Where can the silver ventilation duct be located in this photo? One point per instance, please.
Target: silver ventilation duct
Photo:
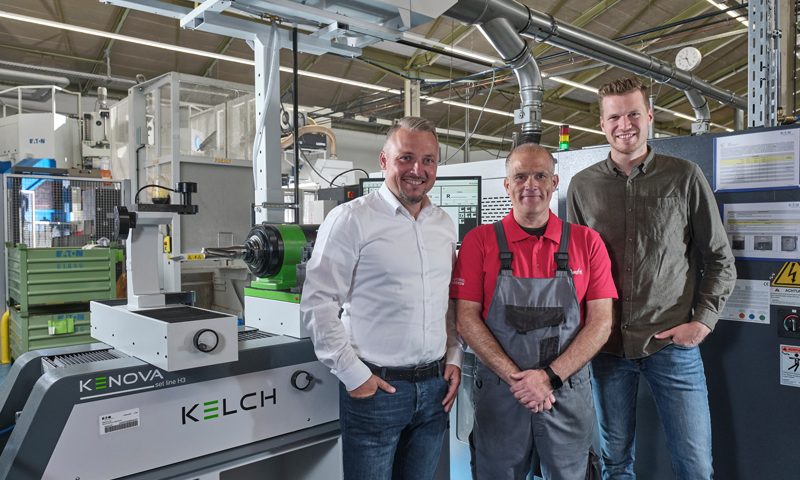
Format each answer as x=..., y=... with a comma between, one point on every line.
x=701, y=112
x=544, y=28
x=30, y=78
x=517, y=55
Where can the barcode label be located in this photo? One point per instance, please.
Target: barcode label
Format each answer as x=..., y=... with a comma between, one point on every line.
x=114, y=422
x=122, y=426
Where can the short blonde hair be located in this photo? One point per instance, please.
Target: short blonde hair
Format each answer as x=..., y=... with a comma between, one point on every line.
x=621, y=86
x=414, y=124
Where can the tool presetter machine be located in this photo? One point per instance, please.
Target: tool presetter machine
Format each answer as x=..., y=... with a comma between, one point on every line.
x=176, y=391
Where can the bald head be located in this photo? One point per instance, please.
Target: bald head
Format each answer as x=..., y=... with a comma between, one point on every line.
x=530, y=150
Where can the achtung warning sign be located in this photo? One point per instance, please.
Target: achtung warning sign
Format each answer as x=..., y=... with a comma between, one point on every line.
x=790, y=365
x=788, y=276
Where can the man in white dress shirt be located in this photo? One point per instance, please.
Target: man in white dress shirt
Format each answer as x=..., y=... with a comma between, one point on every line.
x=376, y=302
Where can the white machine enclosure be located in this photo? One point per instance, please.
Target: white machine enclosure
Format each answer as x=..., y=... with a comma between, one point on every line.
x=167, y=423
x=274, y=316
x=169, y=345
x=40, y=135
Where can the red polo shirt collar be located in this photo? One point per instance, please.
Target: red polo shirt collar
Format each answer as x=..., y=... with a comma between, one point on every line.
x=515, y=233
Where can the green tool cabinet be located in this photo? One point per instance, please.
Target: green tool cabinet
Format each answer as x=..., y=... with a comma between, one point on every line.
x=49, y=290
x=41, y=330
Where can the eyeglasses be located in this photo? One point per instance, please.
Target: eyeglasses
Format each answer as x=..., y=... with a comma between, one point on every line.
x=538, y=177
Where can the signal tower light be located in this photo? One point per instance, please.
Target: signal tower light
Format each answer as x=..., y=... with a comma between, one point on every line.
x=563, y=137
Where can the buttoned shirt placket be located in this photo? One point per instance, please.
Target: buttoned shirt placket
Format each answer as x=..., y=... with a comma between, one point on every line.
x=424, y=280
x=629, y=257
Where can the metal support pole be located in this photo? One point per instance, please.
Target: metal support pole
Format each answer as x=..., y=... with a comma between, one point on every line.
x=467, y=96
x=411, y=90
x=268, y=191
x=763, y=73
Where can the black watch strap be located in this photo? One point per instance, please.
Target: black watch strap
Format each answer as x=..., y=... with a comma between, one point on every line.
x=555, y=380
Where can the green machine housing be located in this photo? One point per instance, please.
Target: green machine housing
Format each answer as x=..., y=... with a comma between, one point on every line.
x=273, y=253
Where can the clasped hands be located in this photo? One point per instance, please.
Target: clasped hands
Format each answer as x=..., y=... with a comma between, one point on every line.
x=532, y=389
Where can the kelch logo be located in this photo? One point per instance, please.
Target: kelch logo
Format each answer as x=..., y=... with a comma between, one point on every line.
x=126, y=379
x=211, y=409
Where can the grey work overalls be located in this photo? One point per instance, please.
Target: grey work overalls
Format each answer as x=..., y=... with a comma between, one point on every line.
x=534, y=320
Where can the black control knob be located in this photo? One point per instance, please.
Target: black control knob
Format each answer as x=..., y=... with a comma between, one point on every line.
x=302, y=380
x=206, y=340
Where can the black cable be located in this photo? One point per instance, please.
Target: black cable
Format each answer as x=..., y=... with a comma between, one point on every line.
x=297, y=173
x=444, y=52
x=136, y=197
x=347, y=171
x=296, y=112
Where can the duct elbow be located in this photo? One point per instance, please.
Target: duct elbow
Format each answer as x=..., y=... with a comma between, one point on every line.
x=702, y=112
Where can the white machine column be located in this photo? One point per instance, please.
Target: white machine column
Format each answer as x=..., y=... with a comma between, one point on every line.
x=268, y=193
x=145, y=288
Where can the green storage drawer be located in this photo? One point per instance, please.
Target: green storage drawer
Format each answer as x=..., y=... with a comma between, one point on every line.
x=54, y=276
x=37, y=331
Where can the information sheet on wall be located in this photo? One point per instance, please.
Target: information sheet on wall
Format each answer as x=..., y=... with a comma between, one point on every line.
x=757, y=161
x=763, y=230
x=749, y=302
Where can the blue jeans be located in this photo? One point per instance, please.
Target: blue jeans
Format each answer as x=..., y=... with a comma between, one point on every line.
x=395, y=436
x=678, y=384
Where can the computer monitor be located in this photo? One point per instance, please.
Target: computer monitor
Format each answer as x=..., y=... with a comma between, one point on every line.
x=459, y=197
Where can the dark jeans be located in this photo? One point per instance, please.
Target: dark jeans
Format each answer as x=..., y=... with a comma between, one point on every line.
x=393, y=436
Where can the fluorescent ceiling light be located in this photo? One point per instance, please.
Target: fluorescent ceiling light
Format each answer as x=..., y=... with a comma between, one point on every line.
x=690, y=118
x=319, y=76
x=730, y=13
x=122, y=38
x=577, y=85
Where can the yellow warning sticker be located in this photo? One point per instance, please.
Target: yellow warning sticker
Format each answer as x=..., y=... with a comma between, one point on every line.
x=788, y=276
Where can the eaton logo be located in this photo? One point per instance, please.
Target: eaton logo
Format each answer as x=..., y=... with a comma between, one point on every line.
x=213, y=409
x=69, y=253
x=115, y=381
x=36, y=141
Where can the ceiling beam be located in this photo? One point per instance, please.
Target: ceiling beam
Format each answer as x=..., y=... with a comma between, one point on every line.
x=457, y=34
x=395, y=62
x=419, y=52
x=48, y=53
x=59, y=14
x=598, y=9
x=305, y=65
x=221, y=49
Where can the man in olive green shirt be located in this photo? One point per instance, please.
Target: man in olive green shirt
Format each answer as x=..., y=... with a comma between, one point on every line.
x=673, y=269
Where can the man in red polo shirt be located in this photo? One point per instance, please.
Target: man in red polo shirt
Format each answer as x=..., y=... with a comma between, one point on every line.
x=533, y=300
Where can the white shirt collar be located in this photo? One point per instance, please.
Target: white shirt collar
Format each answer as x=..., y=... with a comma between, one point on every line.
x=395, y=204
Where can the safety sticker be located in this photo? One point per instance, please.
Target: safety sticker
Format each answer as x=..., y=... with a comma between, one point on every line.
x=784, y=296
x=790, y=365
x=788, y=276
x=114, y=422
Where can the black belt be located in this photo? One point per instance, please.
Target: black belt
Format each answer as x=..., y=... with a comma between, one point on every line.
x=409, y=374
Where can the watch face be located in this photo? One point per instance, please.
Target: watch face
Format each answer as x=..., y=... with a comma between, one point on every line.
x=688, y=58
